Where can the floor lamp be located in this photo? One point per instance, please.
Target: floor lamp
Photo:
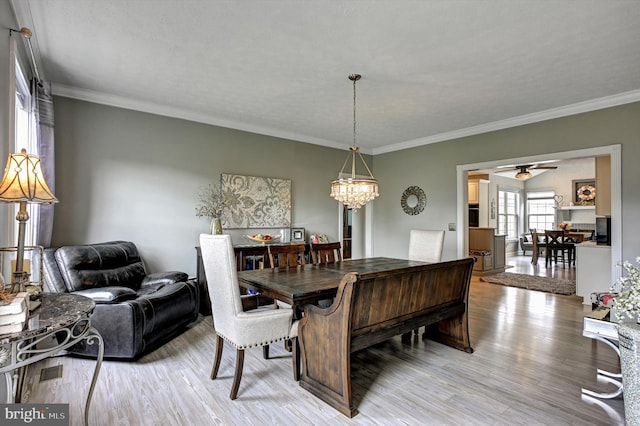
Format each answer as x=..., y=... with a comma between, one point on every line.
x=23, y=182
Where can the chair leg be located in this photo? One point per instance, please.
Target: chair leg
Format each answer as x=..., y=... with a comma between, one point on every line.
x=216, y=361
x=238, y=374
x=265, y=351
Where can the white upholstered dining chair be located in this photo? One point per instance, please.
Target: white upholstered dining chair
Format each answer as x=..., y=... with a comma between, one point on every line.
x=425, y=245
x=241, y=329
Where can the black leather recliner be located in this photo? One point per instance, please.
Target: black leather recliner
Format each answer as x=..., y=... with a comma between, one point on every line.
x=135, y=311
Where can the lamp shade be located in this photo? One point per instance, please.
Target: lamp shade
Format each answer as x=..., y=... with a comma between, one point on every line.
x=23, y=181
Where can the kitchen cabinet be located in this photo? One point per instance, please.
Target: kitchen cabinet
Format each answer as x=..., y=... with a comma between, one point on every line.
x=474, y=186
x=488, y=249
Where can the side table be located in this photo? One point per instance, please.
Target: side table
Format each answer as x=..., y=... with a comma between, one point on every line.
x=607, y=333
x=61, y=318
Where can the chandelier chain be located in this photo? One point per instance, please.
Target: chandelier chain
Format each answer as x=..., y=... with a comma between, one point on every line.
x=354, y=111
x=354, y=192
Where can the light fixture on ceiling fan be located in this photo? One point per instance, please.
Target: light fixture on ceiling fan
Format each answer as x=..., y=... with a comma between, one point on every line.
x=524, y=173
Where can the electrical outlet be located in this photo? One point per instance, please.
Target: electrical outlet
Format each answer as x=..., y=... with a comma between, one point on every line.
x=452, y=227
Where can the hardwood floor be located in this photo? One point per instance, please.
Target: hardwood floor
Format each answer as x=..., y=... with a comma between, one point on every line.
x=522, y=265
x=528, y=368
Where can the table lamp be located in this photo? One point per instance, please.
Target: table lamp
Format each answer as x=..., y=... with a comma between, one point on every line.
x=23, y=182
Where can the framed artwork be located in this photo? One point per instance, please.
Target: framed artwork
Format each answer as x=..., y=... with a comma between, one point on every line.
x=297, y=235
x=256, y=202
x=584, y=192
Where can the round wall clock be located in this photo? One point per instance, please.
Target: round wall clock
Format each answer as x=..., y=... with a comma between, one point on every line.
x=413, y=200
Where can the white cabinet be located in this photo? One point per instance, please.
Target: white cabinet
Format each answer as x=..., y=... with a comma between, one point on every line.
x=593, y=269
x=474, y=186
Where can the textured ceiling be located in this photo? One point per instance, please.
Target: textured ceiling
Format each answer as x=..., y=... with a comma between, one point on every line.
x=431, y=70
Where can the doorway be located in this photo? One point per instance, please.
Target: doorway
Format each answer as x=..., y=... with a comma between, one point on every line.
x=614, y=151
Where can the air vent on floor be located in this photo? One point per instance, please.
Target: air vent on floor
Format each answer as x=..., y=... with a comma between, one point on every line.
x=50, y=373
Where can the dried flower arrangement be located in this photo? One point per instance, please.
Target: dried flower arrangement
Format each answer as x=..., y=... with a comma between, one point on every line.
x=212, y=201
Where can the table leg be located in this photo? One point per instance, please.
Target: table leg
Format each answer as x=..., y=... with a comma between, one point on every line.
x=8, y=378
x=606, y=375
x=92, y=337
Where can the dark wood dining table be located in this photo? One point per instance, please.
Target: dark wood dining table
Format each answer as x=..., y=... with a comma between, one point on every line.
x=571, y=240
x=310, y=283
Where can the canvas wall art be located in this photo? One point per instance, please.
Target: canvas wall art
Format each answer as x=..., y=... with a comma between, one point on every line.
x=256, y=202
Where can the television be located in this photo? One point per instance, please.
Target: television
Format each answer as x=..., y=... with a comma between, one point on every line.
x=603, y=231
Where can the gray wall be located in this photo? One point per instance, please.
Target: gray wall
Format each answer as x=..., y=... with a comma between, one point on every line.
x=433, y=168
x=123, y=174
x=130, y=175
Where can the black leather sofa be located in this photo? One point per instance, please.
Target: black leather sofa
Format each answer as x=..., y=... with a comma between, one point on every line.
x=135, y=311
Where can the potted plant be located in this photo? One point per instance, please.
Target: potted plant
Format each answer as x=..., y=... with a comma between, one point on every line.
x=212, y=204
x=626, y=305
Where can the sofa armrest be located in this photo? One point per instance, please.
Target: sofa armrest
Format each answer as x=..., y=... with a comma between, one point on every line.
x=108, y=295
x=169, y=277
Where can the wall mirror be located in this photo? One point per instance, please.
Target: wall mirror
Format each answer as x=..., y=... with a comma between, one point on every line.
x=413, y=200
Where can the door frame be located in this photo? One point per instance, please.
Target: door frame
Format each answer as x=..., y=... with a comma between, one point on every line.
x=615, y=153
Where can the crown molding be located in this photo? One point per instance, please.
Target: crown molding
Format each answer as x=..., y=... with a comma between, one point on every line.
x=167, y=111
x=153, y=108
x=578, y=108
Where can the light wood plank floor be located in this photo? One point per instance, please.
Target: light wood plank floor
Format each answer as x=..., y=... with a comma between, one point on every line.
x=529, y=366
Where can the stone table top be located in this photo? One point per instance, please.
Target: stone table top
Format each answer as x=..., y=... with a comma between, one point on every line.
x=57, y=311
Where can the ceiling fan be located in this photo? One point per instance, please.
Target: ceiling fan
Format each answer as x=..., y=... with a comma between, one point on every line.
x=523, y=170
x=524, y=173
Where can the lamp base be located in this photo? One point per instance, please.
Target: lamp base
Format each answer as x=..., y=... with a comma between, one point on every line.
x=20, y=281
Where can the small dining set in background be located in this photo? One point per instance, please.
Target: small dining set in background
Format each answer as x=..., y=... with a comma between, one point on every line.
x=557, y=245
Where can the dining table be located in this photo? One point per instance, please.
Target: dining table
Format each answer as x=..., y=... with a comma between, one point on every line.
x=310, y=283
x=570, y=242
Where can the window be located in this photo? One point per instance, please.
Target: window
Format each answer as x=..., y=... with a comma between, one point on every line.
x=508, y=202
x=541, y=210
x=25, y=137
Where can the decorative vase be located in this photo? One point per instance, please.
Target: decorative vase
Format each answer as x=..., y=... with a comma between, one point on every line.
x=216, y=226
x=629, y=344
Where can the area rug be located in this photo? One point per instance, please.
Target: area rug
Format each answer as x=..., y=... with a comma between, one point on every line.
x=550, y=285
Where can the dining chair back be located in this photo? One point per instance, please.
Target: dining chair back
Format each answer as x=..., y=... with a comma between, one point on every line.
x=326, y=252
x=554, y=245
x=286, y=256
x=242, y=329
x=426, y=245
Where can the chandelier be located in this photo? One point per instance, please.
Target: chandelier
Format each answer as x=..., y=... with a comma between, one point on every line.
x=354, y=192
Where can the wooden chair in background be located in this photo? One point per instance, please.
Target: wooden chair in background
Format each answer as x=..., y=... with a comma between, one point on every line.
x=554, y=245
x=326, y=252
x=286, y=256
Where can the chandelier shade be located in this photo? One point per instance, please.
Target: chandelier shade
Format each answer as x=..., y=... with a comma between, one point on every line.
x=354, y=191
